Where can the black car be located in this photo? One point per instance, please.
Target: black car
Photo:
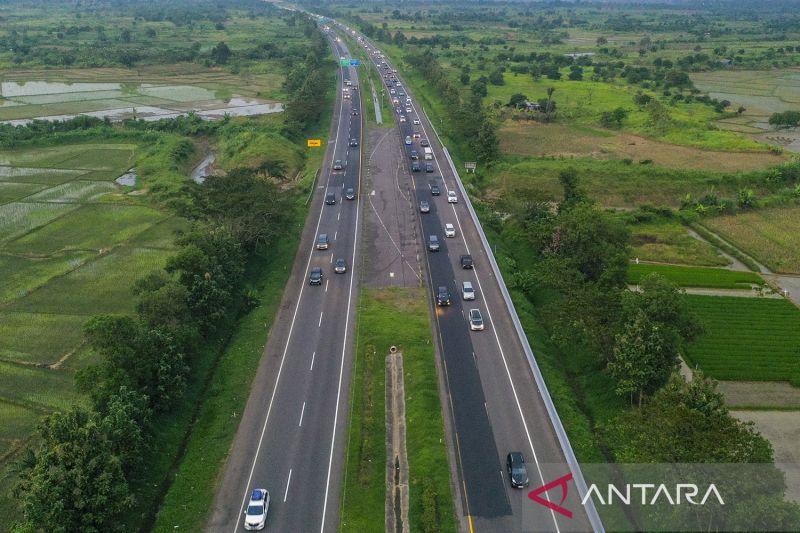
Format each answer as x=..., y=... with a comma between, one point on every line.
x=414, y=155
x=466, y=261
x=340, y=266
x=315, y=278
x=428, y=167
x=443, y=298
x=517, y=473
x=353, y=142
x=354, y=112
x=415, y=167
x=433, y=243
x=435, y=191
x=330, y=198
x=424, y=142
x=350, y=194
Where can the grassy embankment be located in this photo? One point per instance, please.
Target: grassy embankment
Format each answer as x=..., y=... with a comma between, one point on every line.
x=395, y=317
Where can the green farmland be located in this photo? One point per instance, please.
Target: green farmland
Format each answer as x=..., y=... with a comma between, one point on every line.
x=746, y=338
x=713, y=278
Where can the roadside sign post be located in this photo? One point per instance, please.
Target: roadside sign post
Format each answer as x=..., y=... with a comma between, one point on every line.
x=314, y=143
x=470, y=165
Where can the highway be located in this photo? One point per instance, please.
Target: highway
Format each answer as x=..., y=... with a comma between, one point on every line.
x=494, y=404
x=291, y=435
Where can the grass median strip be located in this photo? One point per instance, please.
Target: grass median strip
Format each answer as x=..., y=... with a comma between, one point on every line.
x=396, y=317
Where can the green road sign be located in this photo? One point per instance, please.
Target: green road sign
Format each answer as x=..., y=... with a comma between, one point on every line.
x=344, y=62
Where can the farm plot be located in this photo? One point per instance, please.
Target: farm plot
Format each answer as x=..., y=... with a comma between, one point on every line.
x=20, y=275
x=772, y=236
x=91, y=227
x=80, y=156
x=18, y=423
x=10, y=191
x=100, y=286
x=38, y=387
x=39, y=338
x=18, y=218
x=74, y=191
x=669, y=242
x=162, y=235
x=746, y=338
x=51, y=176
x=715, y=278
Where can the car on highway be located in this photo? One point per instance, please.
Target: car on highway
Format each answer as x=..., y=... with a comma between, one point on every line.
x=315, y=277
x=350, y=194
x=322, y=241
x=424, y=142
x=424, y=206
x=416, y=122
x=449, y=230
x=408, y=109
x=255, y=516
x=467, y=292
x=353, y=142
x=433, y=243
x=442, y=296
x=330, y=198
x=340, y=266
x=452, y=198
x=408, y=140
x=466, y=261
x=338, y=165
x=354, y=112
x=517, y=471
x=415, y=167
x=435, y=190
x=392, y=92
x=428, y=167
x=414, y=155
x=416, y=135
x=400, y=93
x=475, y=320
x=402, y=118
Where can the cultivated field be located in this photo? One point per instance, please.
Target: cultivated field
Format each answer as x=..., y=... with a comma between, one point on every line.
x=746, y=338
x=668, y=241
x=71, y=244
x=772, y=236
x=715, y=278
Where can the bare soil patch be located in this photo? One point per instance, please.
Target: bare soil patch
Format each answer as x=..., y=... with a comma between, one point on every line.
x=761, y=394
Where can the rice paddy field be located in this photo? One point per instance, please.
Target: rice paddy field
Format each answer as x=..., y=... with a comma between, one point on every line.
x=772, y=236
x=703, y=277
x=72, y=242
x=747, y=339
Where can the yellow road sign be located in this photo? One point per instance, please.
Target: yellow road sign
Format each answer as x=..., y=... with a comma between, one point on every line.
x=314, y=143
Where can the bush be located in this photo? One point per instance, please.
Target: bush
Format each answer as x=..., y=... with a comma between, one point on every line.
x=430, y=508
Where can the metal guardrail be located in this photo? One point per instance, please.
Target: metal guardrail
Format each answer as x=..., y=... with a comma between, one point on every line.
x=561, y=434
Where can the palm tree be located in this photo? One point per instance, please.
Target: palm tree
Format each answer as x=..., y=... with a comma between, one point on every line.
x=550, y=91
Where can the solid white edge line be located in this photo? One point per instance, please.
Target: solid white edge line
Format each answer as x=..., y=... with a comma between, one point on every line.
x=344, y=344
x=291, y=329
x=489, y=314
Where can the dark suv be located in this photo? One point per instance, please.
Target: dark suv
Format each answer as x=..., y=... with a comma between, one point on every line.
x=435, y=190
x=517, y=472
x=466, y=261
x=443, y=296
x=315, y=277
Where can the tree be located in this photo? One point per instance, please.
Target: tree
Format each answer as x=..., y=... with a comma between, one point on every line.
x=126, y=423
x=601, y=41
x=570, y=184
x=150, y=33
x=479, y=88
x=125, y=35
x=746, y=198
x=785, y=119
x=643, y=358
x=77, y=483
x=659, y=118
x=464, y=78
x=221, y=54
x=677, y=78
x=613, y=119
x=549, y=107
x=496, y=77
x=575, y=73
x=517, y=100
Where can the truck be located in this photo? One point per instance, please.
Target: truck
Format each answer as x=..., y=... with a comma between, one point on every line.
x=428, y=153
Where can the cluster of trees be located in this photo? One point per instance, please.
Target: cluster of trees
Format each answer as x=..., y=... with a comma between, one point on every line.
x=787, y=119
x=81, y=474
x=471, y=120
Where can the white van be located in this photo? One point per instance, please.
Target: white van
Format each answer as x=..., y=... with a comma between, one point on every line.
x=467, y=292
x=428, y=153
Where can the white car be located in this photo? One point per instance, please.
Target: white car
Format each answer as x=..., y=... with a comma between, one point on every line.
x=451, y=197
x=449, y=230
x=402, y=118
x=475, y=320
x=416, y=122
x=255, y=516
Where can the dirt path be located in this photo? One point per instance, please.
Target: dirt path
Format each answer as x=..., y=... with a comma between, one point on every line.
x=739, y=293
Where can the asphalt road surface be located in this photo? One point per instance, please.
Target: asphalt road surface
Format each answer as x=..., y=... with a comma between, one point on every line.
x=495, y=406
x=291, y=435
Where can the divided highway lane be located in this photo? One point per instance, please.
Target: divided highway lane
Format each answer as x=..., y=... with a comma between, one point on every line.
x=290, y=440
x=495, y=404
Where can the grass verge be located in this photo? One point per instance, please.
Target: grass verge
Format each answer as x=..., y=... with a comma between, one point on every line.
x=396, y=317
x=714, y=278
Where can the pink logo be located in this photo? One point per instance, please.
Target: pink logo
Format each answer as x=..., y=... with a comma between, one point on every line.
x=560, y=482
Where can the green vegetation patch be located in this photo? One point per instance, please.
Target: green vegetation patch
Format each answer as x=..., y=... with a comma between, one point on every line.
x=717, y=278
x=669, y=241
x=771, y=236
x=10, y=191
x=39, y=338
x=100, y=286
x=74, y=191
x=92, y=227
x=20, y=275
x=18, y=423
x=396, y=317
x=101, y=159
x=162, y=234
x=38, y=387
x=18, y=218
x=746, y=338
x=52, y=176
